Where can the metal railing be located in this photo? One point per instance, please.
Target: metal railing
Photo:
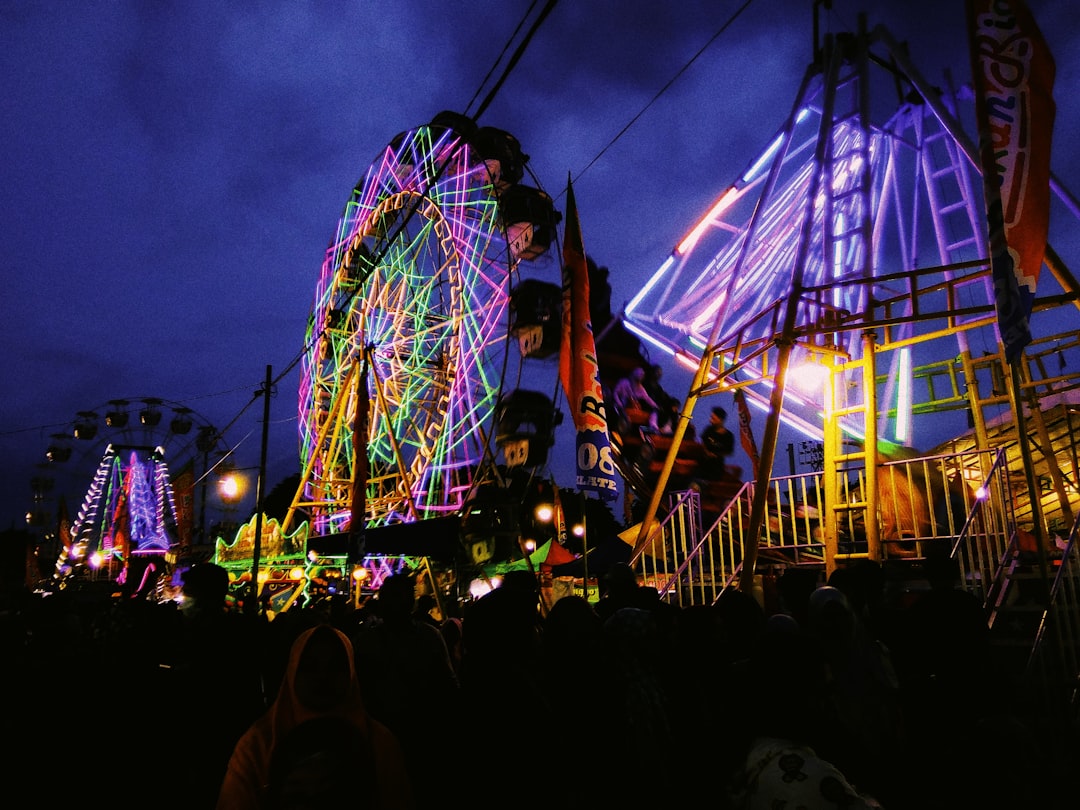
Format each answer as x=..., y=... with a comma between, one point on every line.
x=686, y=565
x=1054, y=664
x=926, y=501
x=983, y=541
x=689, y=564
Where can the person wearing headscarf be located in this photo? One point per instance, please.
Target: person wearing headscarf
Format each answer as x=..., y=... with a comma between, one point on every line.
x=320, y=682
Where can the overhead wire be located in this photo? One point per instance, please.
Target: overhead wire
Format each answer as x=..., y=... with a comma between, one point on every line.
x=502, y=53
x=519, y=51
x=261, y=389
x=667, y=86
x=549, y=6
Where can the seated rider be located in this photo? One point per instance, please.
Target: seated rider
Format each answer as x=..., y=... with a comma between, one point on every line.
x=630, y=393
x=667, y=405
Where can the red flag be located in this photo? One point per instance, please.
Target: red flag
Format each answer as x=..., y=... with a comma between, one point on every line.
x=746, y=437
x=119, y=534
x=1013, y=72
x=557, y=554
x=578, y=368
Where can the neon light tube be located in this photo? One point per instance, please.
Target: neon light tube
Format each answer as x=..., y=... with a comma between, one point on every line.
x=725, y=200
x=651, y=283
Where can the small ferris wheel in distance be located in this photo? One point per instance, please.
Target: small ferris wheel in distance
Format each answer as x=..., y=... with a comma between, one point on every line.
x=125, y=453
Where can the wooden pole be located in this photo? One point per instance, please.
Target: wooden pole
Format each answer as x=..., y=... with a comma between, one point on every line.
x=260, y=485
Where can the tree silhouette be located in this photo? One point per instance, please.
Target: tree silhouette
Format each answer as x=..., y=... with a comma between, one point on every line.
x=277, y=501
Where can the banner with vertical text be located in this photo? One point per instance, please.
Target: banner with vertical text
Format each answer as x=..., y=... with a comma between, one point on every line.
x=578, y=370
x=1013, y=73
x=746, y=436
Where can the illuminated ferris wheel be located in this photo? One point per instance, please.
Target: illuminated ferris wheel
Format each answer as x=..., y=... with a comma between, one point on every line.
x=119, y=484
x=406, y=346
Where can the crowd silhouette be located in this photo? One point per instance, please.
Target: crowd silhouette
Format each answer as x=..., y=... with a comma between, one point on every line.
x=823, y=694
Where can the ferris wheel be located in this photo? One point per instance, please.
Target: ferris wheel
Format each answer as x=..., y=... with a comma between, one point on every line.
x=125, y=467
x=406, y=348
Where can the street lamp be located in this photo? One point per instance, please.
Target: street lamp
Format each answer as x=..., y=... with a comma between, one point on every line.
x=232, y=487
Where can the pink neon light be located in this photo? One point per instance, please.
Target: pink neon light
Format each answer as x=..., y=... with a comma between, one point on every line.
x=725, y=200
x=686, y=361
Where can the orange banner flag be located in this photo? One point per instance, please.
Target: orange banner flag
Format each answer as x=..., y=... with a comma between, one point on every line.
x=578, y=369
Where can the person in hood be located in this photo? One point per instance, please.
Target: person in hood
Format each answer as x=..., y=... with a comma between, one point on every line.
x=320, y=685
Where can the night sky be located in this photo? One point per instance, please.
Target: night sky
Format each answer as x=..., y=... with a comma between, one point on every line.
x=174, y=171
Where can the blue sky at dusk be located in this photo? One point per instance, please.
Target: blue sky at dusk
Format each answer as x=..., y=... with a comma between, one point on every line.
x=174, y=171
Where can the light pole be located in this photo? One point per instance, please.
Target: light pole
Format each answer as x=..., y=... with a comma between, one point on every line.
x=260, y=485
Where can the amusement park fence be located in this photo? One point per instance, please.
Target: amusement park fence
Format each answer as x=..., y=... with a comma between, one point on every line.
x=691, y=561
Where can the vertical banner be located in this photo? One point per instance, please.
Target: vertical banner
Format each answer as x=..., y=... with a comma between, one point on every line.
x=578, y=369
x=183, y=484
x=746, y=436
x=1013, y=73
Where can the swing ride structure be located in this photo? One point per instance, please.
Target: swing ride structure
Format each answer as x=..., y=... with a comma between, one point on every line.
x=856, y=245
x=421, y=320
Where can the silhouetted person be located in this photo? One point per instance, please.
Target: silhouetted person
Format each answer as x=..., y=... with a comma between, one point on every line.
x=634, y=731
x=500, y=672
x=621, y=589
x=409, y=683
x=320, y=682
x=718, y=443
x=425, y=604
x=867, y=728
x=321, y=763
x=941, y=643
x=667, y=406
x=948, y=637
x=452, y=631
x=574, y=684
x=794, y=587
x=220, y=673
x=631, y=396
x=783, y=766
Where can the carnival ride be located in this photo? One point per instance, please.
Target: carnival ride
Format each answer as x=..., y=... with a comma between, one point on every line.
x=127, y=470
x=409, y=324
x=421, y=322
x=855, y=244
